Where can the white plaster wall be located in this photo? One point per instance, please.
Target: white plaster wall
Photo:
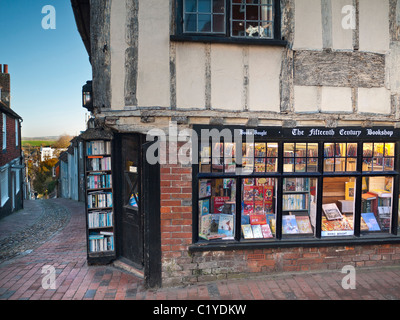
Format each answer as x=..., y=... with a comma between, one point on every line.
x=374, y=26
x=190, y=75
x=393, y=67
x=306, y=98
x=118, y=47
x=374, y=100
x=308, y=25
x=153, y=88
x=342, y=39
x=264, y=84
x=336, y=99
x=226, y=77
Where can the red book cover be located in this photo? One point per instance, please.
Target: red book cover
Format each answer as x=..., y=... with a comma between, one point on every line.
x=219, y=203
x=258, y=219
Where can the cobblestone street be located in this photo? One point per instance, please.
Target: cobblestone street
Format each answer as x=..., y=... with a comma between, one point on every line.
x=52, y=233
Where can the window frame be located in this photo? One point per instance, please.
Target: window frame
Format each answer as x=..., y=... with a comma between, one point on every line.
x=4, y=131
x=392, y=236
x=4, y=189
x=181, y=36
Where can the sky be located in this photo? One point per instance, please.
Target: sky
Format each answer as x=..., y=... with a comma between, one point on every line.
x=48, y=67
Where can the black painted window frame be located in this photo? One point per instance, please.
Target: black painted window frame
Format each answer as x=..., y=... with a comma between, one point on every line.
x=393, y=236
x=181, y=36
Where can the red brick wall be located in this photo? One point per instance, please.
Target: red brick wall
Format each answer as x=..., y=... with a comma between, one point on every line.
x=12, y=151
x=180, y=266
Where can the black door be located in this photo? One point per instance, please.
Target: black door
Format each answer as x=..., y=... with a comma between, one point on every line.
x=130, y=220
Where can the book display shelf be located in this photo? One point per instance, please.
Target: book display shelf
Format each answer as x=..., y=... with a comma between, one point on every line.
x=99, y=202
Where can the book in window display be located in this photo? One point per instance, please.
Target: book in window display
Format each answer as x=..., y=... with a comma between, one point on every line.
x=257, y=233
x=289, y=224
x=370, y=220
x=331, y=211
x=266, y=231
x=247, y=231
x=304, y=225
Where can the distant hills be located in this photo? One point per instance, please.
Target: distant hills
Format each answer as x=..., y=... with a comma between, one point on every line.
x=48, y=138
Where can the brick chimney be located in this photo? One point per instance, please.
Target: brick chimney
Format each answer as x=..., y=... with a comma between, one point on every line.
x=5, y=85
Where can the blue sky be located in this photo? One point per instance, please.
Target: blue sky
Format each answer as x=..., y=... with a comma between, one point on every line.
x=47, y=67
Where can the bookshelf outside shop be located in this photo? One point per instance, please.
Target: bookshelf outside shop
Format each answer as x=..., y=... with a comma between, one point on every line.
x=299, y=186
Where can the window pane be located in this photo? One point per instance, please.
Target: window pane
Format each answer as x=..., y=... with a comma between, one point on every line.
x=258, y=208
x=217, y=209
x=376, y=204
x=204, y=22
x=205, y=6
x=338, y=201
x=259, y=164
x=190, y=6
x=237, y=12
x=298, y=206
x=190, y=23
x=218, y=23
x=389, y=149
x=219, y=6
x=238, y=29
x=272, y=165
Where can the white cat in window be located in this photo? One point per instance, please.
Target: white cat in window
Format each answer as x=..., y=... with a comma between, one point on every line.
x=259, y=29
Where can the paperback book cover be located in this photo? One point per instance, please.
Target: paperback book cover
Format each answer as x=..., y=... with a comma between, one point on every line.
x=266, y=231
x=371, y=222
x=257, y=231
x=247, y=231
x=289, y=224
x=226, y=225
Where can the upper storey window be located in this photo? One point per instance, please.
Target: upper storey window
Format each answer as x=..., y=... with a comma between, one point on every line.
x=235, y=19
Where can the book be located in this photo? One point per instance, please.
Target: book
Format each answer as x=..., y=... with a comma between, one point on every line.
x=331, y=211
x=256, y=231
x=381, y=193
x=257, y=219
x=303, y=224
x=204, y=206
x=226, y=225
x=219, y=203
x=204, y=188
x=248, y=207
x=289, y=224
x=371, y=222
x=258, y=193
x=266, y=231
x=247, y=231
x=270, y=217
x=205, y=224
x=349, y=191
x=248, y=193
x=258, y=207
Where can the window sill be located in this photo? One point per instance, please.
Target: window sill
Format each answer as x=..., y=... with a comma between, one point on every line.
x=286, y=243
x=228, y=40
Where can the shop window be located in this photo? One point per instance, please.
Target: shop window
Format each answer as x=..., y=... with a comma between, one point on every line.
x=217, y=209
x=300, y=157
x=221, y=158
x=338, y=203
x=378, y=156
x=376, y=204
x=258, y=214
x=285, y=189
x=340, y=157
x=299, y=206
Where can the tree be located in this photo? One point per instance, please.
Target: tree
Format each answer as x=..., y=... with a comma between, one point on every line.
x=63, y=141
x=43, y=178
